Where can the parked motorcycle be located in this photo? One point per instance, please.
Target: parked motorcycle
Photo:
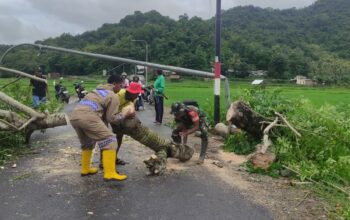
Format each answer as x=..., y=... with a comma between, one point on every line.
x=80, y=90
x=63, y=94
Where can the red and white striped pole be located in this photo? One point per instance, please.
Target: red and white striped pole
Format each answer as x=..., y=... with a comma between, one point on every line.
x=217, y=63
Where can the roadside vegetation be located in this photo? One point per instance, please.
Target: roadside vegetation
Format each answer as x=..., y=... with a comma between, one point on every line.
x=320, y=156
x=12, y=143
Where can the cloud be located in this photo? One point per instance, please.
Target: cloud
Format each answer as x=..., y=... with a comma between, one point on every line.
x=30, y=20
x=14, y=31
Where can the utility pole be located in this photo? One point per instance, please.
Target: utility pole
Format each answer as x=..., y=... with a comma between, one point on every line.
x=217, y=63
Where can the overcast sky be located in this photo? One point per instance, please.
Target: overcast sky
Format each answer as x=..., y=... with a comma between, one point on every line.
x=24, y=21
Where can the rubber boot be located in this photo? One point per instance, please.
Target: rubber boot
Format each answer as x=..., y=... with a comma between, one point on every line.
x=85, y=163
x=110, y=173
x=117, y=162
x=204, y=146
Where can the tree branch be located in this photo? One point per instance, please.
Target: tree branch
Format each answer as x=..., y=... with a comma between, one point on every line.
x=287, y=123
x=266, y=140
x=14, y=103
x=27, y=123
x=4, y=126
x=12, y=118
x=9, y=125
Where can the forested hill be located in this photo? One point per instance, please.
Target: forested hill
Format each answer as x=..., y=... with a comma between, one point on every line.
x=313, y=41
x=326, y=23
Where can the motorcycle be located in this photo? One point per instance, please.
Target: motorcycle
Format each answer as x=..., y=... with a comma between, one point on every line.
x=80, y=90
x=63, y=94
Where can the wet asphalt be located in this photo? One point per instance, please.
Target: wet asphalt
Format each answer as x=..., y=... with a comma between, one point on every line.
x=47, y=185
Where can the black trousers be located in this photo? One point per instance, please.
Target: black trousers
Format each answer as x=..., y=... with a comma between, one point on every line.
x=159, y=107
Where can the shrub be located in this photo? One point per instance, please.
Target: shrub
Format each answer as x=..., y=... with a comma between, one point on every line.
x=240, y=143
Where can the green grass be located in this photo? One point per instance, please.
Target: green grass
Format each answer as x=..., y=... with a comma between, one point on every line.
x=203, y=91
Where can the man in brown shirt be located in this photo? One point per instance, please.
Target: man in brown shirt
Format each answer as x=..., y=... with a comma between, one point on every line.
x=90, y=120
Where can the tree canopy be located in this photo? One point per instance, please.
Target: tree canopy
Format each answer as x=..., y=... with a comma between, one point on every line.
x=286, y=43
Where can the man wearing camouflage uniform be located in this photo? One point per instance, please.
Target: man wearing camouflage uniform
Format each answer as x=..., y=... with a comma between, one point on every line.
x=189, y=119
x=90, y=120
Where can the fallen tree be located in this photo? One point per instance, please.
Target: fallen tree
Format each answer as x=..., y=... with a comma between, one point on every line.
x=11, y=121
x=259, y=127
x=26, y=120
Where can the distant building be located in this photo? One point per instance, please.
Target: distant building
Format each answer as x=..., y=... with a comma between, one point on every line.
x=303, y=80
x=258, y=82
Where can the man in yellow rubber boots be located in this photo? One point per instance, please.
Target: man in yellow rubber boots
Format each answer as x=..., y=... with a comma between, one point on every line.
x=90, y=119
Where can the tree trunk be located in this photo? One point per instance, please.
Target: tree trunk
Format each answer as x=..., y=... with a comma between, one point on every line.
x=243, y=117
x=162, y=147
x=13, y=122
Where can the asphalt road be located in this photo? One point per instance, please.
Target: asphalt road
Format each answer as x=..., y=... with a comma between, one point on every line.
x=47, y=185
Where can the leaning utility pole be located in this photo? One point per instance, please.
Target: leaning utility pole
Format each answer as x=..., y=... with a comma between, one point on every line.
x=147, y=64
x=217, y=63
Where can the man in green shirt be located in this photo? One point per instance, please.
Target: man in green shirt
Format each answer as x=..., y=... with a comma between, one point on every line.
x=159, y=86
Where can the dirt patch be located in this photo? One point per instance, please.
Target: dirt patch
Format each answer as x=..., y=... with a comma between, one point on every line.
x=231, y=158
